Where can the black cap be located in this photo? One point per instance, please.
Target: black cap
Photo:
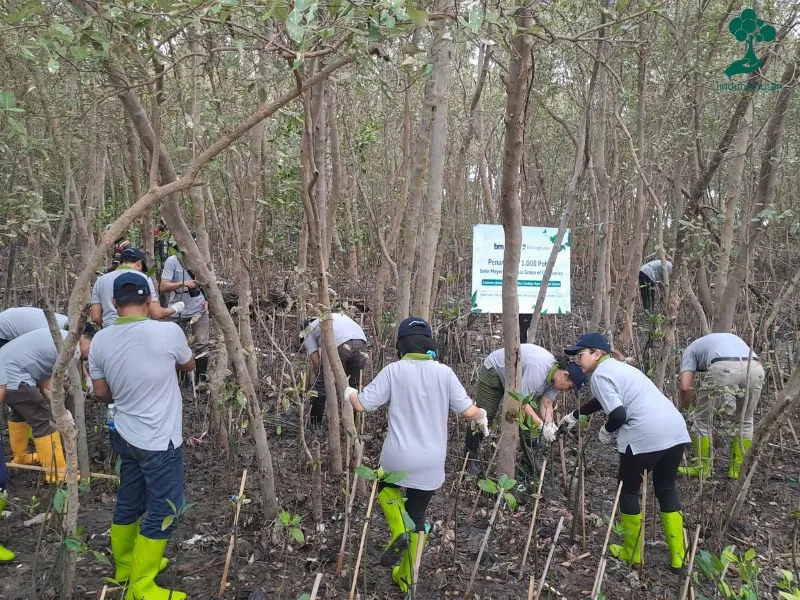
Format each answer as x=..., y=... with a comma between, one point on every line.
x=130, y=285
x=414, y=326
x=130, y=255
x=591, y=341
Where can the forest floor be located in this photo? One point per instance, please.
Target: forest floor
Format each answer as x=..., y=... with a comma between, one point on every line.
x=266, y=565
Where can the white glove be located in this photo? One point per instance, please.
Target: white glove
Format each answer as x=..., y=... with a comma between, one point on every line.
x=482, y=423
x=348, y=392
x=77, y=354
x=549, y=432
x=606, y=438
x=569, y=420
x=89, y=386
x=178, y=307
x=71, y=418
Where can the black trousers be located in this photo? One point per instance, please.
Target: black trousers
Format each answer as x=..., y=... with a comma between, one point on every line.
x=524, y=324
x=416, y=503
x=647, y=289
x=350, y=353
x=663, y=467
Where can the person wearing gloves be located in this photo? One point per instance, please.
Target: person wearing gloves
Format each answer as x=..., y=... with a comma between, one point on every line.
x=147, y=432
x=419, y=391
x=26, y=364
x=6, y=555
x=728, y=363
x=542, y=377
x=648, y=432
x=102, y=311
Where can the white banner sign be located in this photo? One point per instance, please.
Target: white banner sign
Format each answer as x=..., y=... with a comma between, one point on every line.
x=488, y=245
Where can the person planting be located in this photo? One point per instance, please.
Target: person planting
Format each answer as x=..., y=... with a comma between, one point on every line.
x=419, y=391
x=648, y=432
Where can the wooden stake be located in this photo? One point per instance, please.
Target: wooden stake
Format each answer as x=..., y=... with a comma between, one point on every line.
x=233, y=536
x=103, y=592
x=691, y=564
x=42, y=469
x=363, y=539
x=347, y=515
x=643, y=529
x=549, y=558
x=533, y=521
x=598, y=584
x=315, y=589
x=563, y=467
x=484, y=542
x=601, y=565
x=531, y=587
x=417, y=561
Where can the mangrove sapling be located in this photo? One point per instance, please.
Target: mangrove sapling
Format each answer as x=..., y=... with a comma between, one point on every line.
x=502, y=489
x=786, y=587
x=290, y=525
x=714, y=569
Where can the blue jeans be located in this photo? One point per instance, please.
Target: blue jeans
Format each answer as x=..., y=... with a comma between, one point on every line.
x=148, y=478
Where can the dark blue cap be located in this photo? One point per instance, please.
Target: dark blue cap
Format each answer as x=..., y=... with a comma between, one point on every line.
x=577, y=376
x=130, y=285
x=132, y=255
x=414, y=326
x=591, y=341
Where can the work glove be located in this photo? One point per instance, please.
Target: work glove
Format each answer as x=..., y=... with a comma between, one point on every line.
x=549, y=432
x=348, y=392
x=481, y=424
x=605, y=437
x=178, y=307
x=89, y=386
x=568, y=421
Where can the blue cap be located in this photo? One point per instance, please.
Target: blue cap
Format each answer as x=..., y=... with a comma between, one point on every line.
x=130, y=285
x=591, y=341
x=576, y=375
x=414, y=326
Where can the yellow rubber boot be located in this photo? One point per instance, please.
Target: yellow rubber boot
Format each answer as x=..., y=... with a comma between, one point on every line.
x=51, y=455
x=393, y=506
x=402, y=574
x=672, y=523
x=631, y=548
x=18, y=440
x=6, y=555
x=145, y=563
x=702, y=458
x=739, y=447
x=123, y=539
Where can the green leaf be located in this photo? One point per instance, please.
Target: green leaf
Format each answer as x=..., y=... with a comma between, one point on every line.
x=101, y=558
x=418, y=17
x=729, y=556
x=489, y=486
x=510, y=500
x=297, y=535
x=60, y=500
x=749, y=555
x=293, y=27
x=365, y=472
x=394, y=477
x=17, y=127
x=172, y=506
x=506, y=482
x=408, y=522
x=304, y=596
x=74, y=545
x=285, y=517
x=167, y=522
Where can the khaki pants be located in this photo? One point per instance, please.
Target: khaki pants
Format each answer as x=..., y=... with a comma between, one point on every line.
x=28, y=404
x=197, y=333
x=727, y=381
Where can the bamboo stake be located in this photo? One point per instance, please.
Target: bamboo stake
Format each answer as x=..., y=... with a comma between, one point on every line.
x=484, y=542
x=691, y=563
x=417, y=561
x=531, y=587
x=563, y=467
x=549, y=558
x=643, y=530
x=454, y=514
x=363, y=539
x=347, y=516
x=103, y=592
x=233, y=537
x=601, y=571
x=582, y=496
x=791, y=429
x=42, y=469
x=315, y=589
x=533, y=521
x=598, y=575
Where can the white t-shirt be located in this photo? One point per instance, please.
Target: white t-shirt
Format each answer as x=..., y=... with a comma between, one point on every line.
x=29, y=358
x=137, y=359
x=176, y=273
x=652, y=423
x=535, y=363
x=344, y=330
x=714, y=345
x=103, y=292
x=419, y=394
x=21, y=319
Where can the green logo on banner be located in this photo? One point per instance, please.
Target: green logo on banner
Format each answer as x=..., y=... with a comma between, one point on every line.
x=748, y=28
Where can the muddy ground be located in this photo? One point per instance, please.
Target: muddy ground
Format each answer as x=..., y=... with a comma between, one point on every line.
x=267, y=566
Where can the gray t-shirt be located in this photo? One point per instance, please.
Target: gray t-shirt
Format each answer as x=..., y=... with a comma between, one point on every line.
x=535, y=363
x=28, y=359
x=419, y=394
x=344, y=330
x=175, y=272
x=698, y=354
x=137, y=359
x=654, y=270
x=22, y=319
x=103, y=292
x=653, y=423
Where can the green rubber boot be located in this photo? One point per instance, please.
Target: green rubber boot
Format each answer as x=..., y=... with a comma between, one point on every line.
x=402, y=574
x=393, y=505
x=701, y=444
x=672, y=523
x=145, y=562
x=739, y=447
x=6, y=555
x=631, y=548
x=123, y=538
